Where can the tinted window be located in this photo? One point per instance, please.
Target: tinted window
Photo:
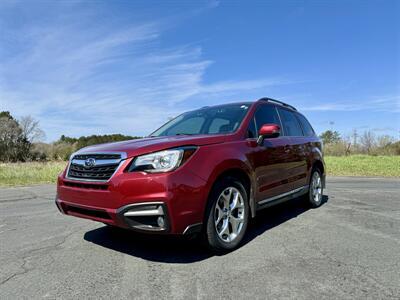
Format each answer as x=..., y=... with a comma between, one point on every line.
x=266, y=114
x=208, y=120
x=290, y=124
x=307, y=129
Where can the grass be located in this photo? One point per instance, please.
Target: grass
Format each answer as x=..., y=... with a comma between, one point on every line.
x=363, y=165
x=14, y=174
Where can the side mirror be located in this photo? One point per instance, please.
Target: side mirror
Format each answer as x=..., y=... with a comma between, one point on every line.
x=268, y=131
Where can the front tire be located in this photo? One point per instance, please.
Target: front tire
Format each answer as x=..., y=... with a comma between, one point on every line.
x=227, y=215
x=315, y=190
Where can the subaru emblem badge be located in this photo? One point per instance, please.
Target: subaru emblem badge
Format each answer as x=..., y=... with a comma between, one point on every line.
x=90, y=162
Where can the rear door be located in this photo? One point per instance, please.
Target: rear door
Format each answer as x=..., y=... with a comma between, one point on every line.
x=310, y=142
x=297, y=173
x=271, y=160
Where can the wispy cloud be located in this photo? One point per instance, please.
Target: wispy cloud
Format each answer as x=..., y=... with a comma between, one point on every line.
x=80, y=77
x=385, y=129
x=378, y=104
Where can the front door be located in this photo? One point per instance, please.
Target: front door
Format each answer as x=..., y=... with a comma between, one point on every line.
x=272, y=160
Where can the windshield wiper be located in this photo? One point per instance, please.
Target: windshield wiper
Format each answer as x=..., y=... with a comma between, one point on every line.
x=184, y=134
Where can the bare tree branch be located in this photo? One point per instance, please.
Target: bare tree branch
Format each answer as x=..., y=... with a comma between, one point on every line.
x=31, y=130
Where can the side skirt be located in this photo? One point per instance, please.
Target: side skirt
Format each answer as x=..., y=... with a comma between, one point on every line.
x=282, y=197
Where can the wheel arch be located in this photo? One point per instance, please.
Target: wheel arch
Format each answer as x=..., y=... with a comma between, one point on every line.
x=317, y=161
x=243, y=175
x=318, y=164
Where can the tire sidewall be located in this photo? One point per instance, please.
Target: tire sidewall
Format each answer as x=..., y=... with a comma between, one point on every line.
x=211, y=235
x=310, y=194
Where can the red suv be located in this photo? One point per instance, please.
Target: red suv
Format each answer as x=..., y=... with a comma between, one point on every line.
x=207, y=171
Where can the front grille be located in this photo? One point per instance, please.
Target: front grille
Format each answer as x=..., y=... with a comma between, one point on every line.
x=97, y=156
x=102, y=173
x=101, y=167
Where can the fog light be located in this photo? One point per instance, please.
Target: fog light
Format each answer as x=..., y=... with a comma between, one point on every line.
x=160, y=222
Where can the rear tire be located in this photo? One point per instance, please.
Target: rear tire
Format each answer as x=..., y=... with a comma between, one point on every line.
x=227, y=215
x=315, y=189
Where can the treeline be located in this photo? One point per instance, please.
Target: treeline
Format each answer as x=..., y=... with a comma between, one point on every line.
x=85, y=141
x=365, y=143
x=17, y=137
x=20, y=140
x=65, y=146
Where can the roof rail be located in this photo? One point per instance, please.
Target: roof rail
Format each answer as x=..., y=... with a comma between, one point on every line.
x=277, y=102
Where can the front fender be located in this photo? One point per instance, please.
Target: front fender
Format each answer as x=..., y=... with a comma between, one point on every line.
x=318, y=157
x=227, y=157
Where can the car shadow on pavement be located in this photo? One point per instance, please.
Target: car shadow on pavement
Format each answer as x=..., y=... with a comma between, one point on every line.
x=271, y=217
x=178, y=249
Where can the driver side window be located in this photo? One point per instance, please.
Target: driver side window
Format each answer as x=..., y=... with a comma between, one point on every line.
x=265, y=114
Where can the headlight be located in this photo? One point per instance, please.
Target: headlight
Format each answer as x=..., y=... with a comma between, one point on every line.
x=162, y=161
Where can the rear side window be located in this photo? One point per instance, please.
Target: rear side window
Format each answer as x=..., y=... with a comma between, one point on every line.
x=291, y=125
x=266, y=114
x=307, y=129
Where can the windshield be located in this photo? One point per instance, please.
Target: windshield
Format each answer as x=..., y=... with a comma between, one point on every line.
x=208, y=120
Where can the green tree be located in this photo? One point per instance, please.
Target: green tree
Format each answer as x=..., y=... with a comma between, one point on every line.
x=6, y=114
x=14, y=146
x=330, y=137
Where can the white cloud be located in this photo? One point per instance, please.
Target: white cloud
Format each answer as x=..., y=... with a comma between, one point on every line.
x=378, y=104
x=80, y=77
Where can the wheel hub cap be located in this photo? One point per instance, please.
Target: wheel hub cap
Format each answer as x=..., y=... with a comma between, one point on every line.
x=229, y=214
x=316, y=187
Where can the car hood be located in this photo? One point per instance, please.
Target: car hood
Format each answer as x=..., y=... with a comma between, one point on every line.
x=151, y=144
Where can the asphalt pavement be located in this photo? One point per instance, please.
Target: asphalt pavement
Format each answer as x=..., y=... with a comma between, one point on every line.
x=349, y=248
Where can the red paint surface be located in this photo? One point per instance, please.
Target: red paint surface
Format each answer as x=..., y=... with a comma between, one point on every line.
x=277, y=166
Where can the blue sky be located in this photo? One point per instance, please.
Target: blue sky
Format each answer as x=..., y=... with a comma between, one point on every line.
x=127, y=66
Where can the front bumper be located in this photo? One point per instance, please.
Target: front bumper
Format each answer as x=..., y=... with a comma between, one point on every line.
x=145, y=217
x=131, y=200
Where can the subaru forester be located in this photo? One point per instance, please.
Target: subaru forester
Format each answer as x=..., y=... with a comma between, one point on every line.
x=207, y=171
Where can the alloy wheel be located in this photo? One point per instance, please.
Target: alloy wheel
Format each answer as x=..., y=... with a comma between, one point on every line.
x=316, y=188
x=229, y=214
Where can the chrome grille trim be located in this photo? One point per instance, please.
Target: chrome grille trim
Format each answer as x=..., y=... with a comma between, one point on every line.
x=103, y=162
x=107, y=164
